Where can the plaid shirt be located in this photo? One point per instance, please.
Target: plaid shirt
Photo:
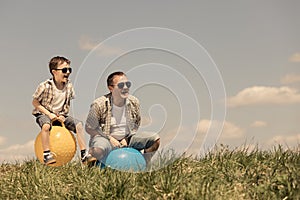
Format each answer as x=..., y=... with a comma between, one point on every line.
x=99, y=117
x=44, y=94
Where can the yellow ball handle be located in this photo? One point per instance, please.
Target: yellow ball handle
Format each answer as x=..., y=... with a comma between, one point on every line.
x=56, y=121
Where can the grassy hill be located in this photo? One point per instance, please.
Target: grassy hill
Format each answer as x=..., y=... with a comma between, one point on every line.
x=221, y=174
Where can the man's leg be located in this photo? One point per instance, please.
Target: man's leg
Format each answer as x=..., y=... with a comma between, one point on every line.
x=149, y=152
x=99, y=147
x=147, y=141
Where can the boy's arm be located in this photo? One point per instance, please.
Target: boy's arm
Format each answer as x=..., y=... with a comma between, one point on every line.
x=42, y=109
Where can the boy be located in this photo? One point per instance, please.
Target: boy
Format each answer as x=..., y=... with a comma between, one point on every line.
x=51, y=101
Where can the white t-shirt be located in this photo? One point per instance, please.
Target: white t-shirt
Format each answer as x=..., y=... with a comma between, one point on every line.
x=59, y=97
x=119, y=127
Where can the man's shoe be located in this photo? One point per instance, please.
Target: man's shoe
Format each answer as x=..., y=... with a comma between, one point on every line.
x=88, y=160
x=49, y=159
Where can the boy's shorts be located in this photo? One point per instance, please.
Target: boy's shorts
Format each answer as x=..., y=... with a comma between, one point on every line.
x=139, y=141
x=70, y=122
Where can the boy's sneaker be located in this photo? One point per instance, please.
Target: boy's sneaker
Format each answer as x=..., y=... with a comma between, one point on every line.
x=88, y=159
x=49, y=159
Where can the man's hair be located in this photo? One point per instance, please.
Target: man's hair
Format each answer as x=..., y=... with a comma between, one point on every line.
x=110, y=78
x=57, y=60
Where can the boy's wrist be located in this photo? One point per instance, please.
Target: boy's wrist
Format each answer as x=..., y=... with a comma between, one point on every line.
x=50, y=115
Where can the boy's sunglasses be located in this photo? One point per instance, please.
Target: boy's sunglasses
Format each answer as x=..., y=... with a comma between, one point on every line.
x=122, y=84
x=65, y=69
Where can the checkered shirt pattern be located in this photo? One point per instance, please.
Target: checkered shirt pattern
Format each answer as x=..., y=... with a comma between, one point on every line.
x=44, y=94
x=99, y=117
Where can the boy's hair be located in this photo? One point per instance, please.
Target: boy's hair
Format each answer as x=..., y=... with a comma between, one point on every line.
x=110, y=78
x=57, y=60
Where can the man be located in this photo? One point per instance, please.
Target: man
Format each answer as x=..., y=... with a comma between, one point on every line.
x=114, y=119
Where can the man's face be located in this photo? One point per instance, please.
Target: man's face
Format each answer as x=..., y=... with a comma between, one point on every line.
x=60, y=74
x=120, y=87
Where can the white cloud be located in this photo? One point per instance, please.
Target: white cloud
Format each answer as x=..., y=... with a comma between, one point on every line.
x=177, y=135
x=290, y=78
x=2, y=140
x=229, y=131
x=258, y=124
x=232, y=131
x=285, y=140
x=86, y=43
x=230, y=134
x=295, y=57
x=17, y=152
x=264, y=95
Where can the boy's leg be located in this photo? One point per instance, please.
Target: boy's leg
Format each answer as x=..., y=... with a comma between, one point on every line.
x=80, y=136
x=45, y=132
x=77, y=127
x=45, y=124
x=86, y=157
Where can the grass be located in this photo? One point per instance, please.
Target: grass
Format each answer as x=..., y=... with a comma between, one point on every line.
x=221, y=174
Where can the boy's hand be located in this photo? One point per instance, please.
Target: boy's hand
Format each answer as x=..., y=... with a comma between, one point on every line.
x=52, y=116
x=62, y=118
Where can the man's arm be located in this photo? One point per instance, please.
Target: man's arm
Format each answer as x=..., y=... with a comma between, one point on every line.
x=92, y=126
x=92, y=132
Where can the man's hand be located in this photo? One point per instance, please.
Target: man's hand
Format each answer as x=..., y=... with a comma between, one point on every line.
x=123, y=143
x=114, y=142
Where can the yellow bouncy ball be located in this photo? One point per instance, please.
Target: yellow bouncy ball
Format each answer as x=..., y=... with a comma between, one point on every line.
x=62, y=144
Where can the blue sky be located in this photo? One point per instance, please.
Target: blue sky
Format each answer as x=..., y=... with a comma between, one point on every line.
x=254, y=45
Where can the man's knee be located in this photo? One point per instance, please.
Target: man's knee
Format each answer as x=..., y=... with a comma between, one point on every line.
x=97, y=152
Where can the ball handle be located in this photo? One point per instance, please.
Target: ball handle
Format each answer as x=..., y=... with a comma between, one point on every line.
x=57, y=122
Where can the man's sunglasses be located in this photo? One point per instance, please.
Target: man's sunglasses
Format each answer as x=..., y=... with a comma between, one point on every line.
x=65, y=69
x=122, y=84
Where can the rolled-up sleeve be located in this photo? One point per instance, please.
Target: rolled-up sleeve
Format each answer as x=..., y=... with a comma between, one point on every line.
x=38, y=92
x=93, y=117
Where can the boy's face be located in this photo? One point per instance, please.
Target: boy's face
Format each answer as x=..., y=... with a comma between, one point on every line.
x=59, y=75
x=118, y=92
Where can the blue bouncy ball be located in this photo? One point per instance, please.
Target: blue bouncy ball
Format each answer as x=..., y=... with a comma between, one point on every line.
x=126, y=159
